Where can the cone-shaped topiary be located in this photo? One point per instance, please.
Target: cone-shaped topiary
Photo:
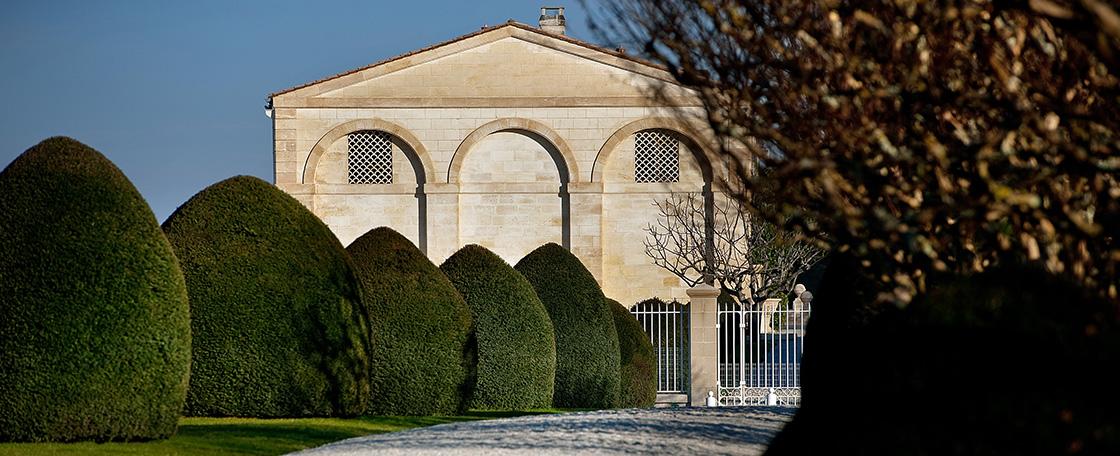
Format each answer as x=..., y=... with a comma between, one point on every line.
x=424, y=349
x=276, y=309
x=638, y=362
x=587, y=357
x=94, y=322
x=516, y=346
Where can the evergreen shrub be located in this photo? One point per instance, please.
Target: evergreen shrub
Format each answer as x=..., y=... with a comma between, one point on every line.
x=516, y=346
x=587, y=356
x=276, y=307
x=94, y=321
x=424, y=349
x=638, y=361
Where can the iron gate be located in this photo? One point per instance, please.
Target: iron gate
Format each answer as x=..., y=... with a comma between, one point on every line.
x=667, y=326
x=760, y=353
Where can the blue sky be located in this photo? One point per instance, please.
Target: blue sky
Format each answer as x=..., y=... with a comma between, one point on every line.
x=173, y=92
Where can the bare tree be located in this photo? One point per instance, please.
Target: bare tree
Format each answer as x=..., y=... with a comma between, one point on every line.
x=749, y=259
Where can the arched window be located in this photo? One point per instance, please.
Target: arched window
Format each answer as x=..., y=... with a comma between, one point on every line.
x=656, y=156
x=370, y=157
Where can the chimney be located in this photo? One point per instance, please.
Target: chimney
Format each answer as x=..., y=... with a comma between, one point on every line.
x=552, y=19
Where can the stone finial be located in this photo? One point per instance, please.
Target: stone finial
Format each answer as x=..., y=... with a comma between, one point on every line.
x=552, y=19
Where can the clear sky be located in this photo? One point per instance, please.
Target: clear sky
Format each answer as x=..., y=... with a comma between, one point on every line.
x=173, y=92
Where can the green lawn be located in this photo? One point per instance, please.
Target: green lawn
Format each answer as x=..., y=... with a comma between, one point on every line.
x=251, y=436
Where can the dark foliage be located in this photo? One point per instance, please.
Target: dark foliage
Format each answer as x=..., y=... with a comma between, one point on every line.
x=587, y=356
x=921, y=137
x=516, y=346
x=424, y=349
x=94, y=321
x=1010, y=361
x=637, y=360
x=276, y=307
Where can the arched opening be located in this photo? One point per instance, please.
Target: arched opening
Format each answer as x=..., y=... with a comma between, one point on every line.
x=513, y=193
x=370, y=177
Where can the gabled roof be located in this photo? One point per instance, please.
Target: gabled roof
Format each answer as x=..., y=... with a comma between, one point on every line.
x=484, y=31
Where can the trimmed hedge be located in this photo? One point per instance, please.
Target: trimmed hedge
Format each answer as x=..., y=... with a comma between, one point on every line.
x=638, y=361
x=587, y=356
x=276, y=306
x=94, y=321
x=516, y=346
x=424, y=357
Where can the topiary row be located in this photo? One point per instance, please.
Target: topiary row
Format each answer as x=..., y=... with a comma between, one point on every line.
x=94, y=323
x=281, y=327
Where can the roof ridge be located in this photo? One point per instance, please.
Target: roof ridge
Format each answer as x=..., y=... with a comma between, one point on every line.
x=484, y=30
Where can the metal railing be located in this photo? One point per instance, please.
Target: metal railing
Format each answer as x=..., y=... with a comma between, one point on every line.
x=667, y=325
x=760, y=353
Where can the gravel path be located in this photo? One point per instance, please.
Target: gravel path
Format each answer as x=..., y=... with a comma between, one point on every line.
x=660, y=431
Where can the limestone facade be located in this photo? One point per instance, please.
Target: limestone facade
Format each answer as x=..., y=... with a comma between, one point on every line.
x=510, y=137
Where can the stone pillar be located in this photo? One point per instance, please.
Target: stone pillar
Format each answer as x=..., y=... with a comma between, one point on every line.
x=703, y=343
x=443, y=220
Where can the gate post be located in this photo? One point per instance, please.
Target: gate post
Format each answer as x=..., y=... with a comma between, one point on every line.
x=703, y=343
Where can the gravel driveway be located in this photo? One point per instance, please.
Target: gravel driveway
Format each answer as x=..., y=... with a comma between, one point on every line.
x=660, y=431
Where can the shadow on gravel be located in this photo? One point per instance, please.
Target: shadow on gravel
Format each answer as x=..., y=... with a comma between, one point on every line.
x=687, y=430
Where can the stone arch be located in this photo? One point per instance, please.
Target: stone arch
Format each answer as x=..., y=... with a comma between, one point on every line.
x=700, y=152
x=502, y=207
x=419, y=155
x=566, y=162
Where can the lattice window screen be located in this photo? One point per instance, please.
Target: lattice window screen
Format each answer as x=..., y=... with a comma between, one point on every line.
x=656, y=157
x=370, y=157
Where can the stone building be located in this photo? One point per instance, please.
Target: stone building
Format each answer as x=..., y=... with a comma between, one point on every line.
x=509, y=137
